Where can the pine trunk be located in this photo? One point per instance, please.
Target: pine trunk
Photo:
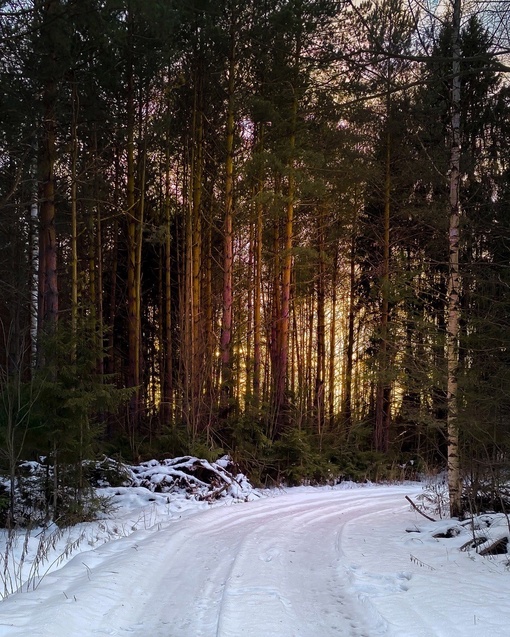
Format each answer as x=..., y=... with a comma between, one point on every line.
x=349, y=355
x=47, y=279
x=228, y=245
x=74, y=212
x=48, y=291
x=196, y=250
x=99, y=327
x=257, y=297
x=284, y=316
x=132, y=235
x=383, y=390
x=320, y=378
x=332, y=343
x=166, y=370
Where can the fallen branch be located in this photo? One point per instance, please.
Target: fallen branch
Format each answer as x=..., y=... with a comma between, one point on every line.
x=417, y=509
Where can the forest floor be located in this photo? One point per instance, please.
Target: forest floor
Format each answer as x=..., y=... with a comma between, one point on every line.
x=349, y=561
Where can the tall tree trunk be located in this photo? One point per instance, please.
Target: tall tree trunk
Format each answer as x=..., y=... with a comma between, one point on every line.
x=96, y=261
x=167, y=366
x=74, y=211
x=186, y=304
x=110, y=360
x=320, y=378
x=288, y=238
x=210, y=344
x=452, y=330
x=34, y=266
x=99, y=328
x=307, y=389
x=228, y=239
x=383, y=390
x=332, y=343
x=257, y=296
x=140, y=220
x=275, y=339
x=132, y=253
x=349, y=352
x=48, y=289
x=250, y=295
x=194, y=251
x=299, y=362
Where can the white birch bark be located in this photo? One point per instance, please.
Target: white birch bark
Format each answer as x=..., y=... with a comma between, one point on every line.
x=452, y=336
x=34, y=256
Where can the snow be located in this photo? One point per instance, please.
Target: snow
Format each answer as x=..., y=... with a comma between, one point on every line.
x=350, y=561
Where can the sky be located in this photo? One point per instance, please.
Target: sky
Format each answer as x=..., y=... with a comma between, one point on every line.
x=349, y=560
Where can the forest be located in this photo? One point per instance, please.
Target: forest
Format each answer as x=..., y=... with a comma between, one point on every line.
x=277, y=229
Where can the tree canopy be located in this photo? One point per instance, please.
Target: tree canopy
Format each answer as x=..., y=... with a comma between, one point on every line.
x=243, y=212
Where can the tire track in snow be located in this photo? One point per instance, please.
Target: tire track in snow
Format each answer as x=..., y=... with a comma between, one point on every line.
x=237, y=595
x=316, y=603
x=372, y=587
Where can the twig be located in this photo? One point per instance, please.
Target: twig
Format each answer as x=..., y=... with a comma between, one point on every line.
x=88, y=571
x=420, y=563
x=417, y=509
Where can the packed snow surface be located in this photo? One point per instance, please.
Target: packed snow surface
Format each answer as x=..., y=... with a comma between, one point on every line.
x=304, y=562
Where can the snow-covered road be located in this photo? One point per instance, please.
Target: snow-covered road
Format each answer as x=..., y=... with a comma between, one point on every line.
x=316, y=563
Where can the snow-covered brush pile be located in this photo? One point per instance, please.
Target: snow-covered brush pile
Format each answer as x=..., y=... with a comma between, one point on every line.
x=128, y=498
x=485, y=535
x=88, y=491
x=197, y=478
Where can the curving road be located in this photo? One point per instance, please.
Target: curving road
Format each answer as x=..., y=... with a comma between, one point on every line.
x=298, y=565
x=277, y=567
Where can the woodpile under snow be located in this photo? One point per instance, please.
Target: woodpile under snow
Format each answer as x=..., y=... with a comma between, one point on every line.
x=199, y=478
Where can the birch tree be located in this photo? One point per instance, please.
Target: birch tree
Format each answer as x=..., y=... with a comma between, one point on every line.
x=453, y=293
